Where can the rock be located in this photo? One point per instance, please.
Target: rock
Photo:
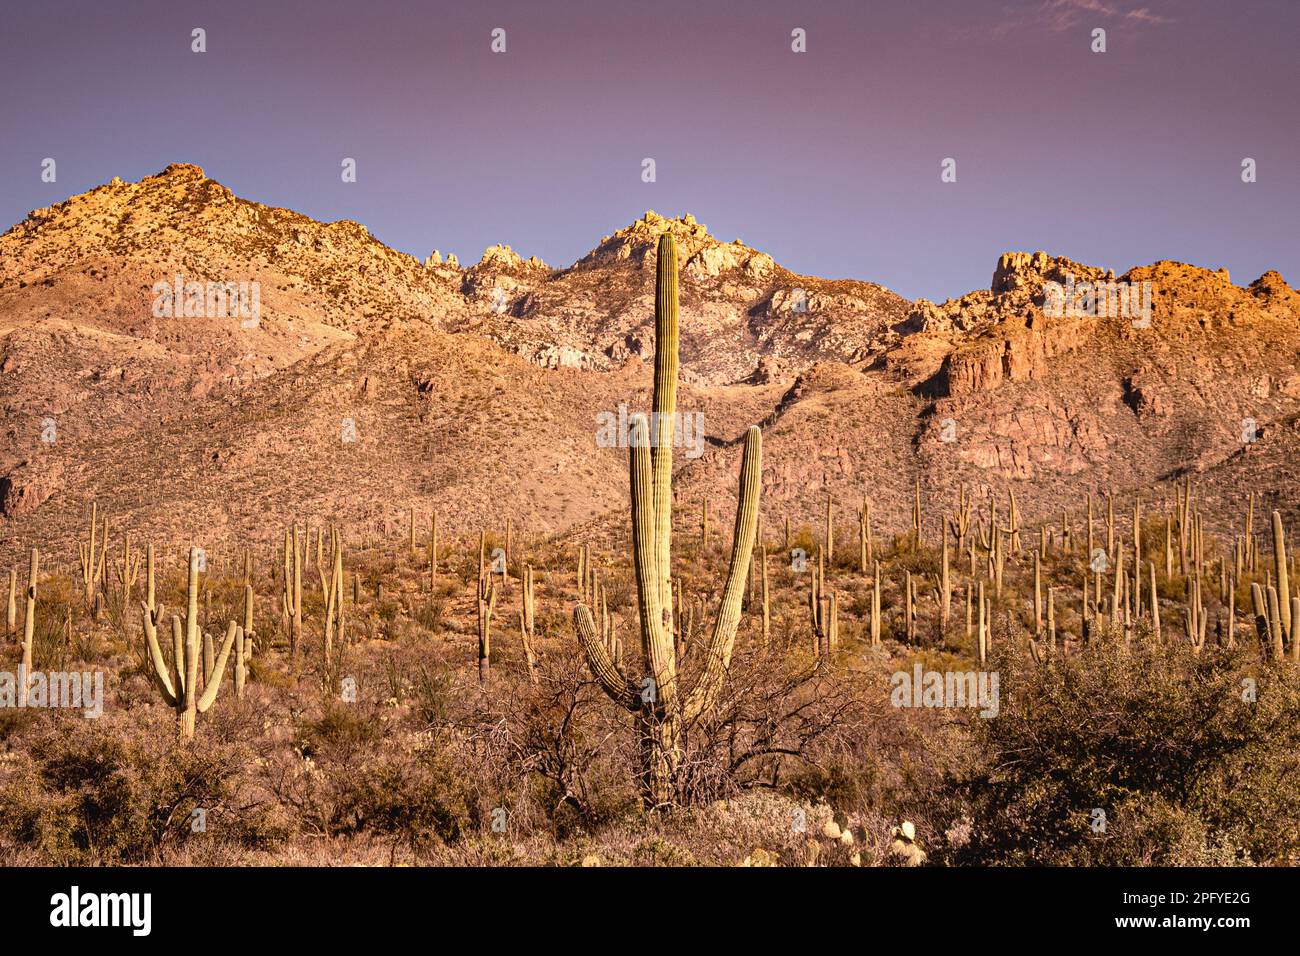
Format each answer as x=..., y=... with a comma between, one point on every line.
x=560, y=356
x=28, y=486
x=903, y=849
x=760, y=857
x=500, y=257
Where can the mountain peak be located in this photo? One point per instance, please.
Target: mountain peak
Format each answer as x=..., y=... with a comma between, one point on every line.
x=637, y=242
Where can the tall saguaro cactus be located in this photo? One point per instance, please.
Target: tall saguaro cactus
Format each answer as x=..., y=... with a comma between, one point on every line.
x=11, y=614
x=29, y=625
x=179, y=683
x=664, y=712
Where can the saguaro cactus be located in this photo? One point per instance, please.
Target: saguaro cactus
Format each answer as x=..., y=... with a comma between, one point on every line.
x=129, y=572
x=291, y=600
x=433, y=553
x=487, y=602
x=29, y=625
x=663, y=710
x=179, y=684
x=1280, y=567
x=243, y=650
x=528, y=622
x=92, y=560
x=830, y=530
x=11, y=615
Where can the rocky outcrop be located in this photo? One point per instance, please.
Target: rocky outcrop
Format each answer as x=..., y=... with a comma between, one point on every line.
x=1016, y=349
x=28, y=486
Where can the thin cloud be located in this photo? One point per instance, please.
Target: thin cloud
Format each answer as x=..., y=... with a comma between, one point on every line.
x=1058, y=16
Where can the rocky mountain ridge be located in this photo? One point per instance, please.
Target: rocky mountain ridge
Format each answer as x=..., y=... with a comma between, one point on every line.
x=476, y=390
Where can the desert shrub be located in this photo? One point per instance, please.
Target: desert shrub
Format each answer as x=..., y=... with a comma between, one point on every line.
x=1169, y=746
x=108, y=792
x=429, y=612
x=349, y=773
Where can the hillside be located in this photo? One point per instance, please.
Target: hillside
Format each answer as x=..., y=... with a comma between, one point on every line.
x=475, y=391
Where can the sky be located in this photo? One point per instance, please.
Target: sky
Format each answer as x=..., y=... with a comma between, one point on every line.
x=829, y=159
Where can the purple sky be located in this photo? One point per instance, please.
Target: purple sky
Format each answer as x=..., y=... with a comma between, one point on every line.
x=828, y=160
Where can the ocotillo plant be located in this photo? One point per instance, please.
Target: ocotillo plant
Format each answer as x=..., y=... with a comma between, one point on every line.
x=664, y=711
x=179, y=683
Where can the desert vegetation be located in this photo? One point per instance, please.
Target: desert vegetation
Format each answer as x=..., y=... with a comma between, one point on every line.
x=663, y=695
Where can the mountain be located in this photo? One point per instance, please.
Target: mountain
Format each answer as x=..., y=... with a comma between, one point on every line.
x=370, y=382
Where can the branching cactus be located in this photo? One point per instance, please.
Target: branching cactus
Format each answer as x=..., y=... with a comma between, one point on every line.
x=665, y=712
x=179, y=683
x=129, y=572
x=291, y=599
x=92, y=560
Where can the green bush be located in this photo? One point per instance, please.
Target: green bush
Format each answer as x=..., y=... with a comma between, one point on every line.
x=101, y=792
x=1185, y=767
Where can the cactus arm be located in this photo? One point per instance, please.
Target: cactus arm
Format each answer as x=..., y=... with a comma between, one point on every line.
x=178, y=660
x=1280, y=563
x=704, y=694
x=621, y=690
x=213, y=682
x=161, y=677
x=656, y=634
